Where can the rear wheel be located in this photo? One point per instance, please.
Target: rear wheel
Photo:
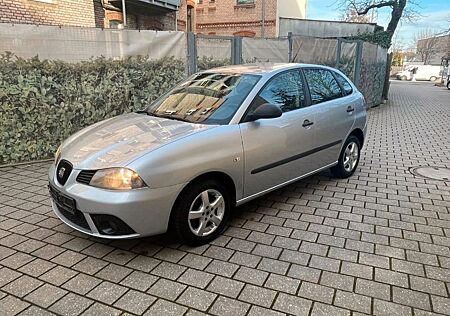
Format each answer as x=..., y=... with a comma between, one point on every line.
x=403, y=78
x=201, y=212
x=433, y=78
x=348, y=159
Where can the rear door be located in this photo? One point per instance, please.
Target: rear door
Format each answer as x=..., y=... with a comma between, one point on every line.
x=274, y=149
x=335, y=102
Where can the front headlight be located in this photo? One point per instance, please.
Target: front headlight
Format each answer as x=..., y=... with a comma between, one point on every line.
x=117, y=179
x=57, y=155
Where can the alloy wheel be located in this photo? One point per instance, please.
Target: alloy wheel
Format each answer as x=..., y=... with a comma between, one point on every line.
x=351, y=155
x=206, y=212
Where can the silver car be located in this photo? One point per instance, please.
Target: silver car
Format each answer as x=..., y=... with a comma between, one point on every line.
x=218, y=139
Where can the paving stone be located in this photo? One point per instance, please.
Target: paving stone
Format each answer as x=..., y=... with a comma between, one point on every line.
x=252, y=276
x=196, y=298
x=227, y=306
x=224, y=286
x=166, y=308
x=282, y=283
x=58, y=275
x=411, y=298
x=337, y=281
x=167, y=289
x=324, y=263
x=353, y=301
x=139, y=281
x=428, y=285
x=46, y=295
x=245, y=259
x=374, y=289
x=90, y=265
x=71, y=305
x=135, y=302
x=7, y=275
x=320, y=309
x=223, y=268
x=81, y=284
x=316, y=292
x=292, y=305
x=258, y=311
x=257, y=295
x=195, y=261
x=35, y=311
x=441, y=304
x=304, y=273
x=11, y=305
x=98, y=309
x=107, y=292
x=357, y=270
x=142, y=263
x=274, y=266
x=113, y=273
x=383, y=308
x=22, y=286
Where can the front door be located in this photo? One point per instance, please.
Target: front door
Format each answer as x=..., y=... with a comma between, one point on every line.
x=276, y=150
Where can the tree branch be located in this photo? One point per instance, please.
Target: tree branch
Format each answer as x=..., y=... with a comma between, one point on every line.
x=372, y=6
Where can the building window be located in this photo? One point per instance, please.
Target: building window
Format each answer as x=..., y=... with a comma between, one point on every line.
x=245, y=2
x=189, y=19
x=114, y=24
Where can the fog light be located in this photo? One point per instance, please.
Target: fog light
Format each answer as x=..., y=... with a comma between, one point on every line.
x=111, y=225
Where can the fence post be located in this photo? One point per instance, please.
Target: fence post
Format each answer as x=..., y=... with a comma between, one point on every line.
x=338, y=53
x=359, y=51
x=289, y=47
x=191, y=53
x=236, y=50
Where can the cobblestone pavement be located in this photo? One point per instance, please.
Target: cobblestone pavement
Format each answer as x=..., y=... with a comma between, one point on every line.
x=377, y=243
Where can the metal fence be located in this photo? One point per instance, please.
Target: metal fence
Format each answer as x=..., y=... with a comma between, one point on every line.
x=364, y=63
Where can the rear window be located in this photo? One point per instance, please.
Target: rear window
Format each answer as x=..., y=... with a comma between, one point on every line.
x=344, y=84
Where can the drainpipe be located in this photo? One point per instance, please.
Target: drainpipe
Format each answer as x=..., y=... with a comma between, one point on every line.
x=263, y=17
x=124, y=14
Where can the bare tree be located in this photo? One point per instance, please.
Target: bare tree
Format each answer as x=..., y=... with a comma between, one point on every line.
x=350, y=15
x=428, y=44
x=400, y=9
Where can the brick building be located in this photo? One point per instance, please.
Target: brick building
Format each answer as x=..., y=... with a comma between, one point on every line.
x=141, y=14
x=245, y=17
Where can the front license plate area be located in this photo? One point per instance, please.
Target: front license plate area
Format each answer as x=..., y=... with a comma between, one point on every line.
x=63, y=201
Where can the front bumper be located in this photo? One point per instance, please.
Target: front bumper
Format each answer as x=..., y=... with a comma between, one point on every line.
x=145, y=211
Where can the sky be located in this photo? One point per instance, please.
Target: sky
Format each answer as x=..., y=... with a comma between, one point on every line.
x=434, y=15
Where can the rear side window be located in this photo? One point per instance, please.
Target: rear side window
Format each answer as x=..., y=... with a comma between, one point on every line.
x=284, y=90
x=322, y=85
x=344, y=84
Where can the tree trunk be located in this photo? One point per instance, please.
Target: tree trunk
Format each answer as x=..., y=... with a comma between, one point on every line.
x=397, y=12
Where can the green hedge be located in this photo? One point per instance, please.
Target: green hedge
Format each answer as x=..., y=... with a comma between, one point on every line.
x=43, y=102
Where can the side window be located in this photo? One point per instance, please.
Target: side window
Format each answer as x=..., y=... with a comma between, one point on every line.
x=285, y=90
x=322, y=85
x=344, y=84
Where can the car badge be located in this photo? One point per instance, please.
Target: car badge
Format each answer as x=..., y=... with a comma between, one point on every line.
x=61, y=172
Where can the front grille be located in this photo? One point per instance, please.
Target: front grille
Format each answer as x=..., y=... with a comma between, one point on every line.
x=63, y=171
x=77, y=218
x=85, y=176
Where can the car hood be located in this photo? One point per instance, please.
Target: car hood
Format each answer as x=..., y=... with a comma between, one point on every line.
x=118, y=141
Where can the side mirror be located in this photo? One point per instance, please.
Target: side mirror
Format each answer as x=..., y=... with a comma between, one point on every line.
x=264, y=111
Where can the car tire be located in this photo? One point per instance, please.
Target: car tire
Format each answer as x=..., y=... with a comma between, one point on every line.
x=201, y=212
x=448, y=85
x=348, y=158
x=433, y=78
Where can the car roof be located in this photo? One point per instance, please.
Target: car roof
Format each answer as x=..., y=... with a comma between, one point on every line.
x=260, y=68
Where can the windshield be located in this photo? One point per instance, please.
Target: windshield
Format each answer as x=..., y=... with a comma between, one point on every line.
x=207, y=98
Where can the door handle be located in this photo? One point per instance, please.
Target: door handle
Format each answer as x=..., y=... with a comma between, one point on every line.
x=307, y=123
x=350, y=109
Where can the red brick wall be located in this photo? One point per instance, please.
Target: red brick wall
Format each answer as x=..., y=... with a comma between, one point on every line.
x=58, y=12
x=87, y=13
x=225, y=17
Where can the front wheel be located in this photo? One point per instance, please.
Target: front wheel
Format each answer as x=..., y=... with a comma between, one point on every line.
x=201, y=212
x=348, y=159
